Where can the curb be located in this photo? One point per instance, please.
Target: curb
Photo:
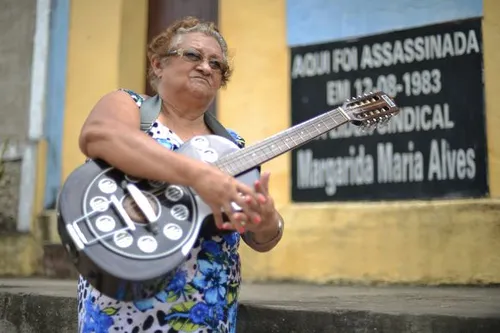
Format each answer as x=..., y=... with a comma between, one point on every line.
x=34, y=313
x=258, y=318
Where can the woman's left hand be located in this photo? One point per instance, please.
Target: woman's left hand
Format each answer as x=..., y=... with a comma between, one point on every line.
x=266, y=217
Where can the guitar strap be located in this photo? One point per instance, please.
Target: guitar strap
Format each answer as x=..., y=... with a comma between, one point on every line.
x=151, y=108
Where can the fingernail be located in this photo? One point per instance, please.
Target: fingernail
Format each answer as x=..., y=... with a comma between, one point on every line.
x=257, y=219
x=241, y=230
x=262, y=199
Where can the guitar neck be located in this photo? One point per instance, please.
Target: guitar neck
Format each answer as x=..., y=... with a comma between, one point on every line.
x=280, y=143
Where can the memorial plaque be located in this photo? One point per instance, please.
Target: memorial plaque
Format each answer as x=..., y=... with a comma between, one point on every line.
x=435, y=147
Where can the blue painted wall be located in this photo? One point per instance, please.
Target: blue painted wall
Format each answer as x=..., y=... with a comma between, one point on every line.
x=317, y=21
x=56, y=92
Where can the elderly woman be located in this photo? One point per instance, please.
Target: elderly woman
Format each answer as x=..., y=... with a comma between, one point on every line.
x=188, y=66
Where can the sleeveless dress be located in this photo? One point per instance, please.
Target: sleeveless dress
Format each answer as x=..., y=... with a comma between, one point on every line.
x=201, y=298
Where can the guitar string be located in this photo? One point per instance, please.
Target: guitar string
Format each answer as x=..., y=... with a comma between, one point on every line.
x=231, y=161
x=279, y=141
x=226, y=162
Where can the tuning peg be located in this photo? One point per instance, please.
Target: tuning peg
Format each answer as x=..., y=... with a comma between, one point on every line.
x=383, y=122
x=367, y=128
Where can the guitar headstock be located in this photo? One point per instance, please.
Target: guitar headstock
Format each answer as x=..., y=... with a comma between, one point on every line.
x=369, y=110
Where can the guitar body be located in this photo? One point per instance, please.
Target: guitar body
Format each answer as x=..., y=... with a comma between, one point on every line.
x=109, y=239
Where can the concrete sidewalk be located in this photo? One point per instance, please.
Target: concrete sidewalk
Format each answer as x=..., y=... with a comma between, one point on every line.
x=40, y=305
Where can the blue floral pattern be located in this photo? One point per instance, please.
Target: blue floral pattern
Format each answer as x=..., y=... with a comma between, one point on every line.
x=97, y=320
x=201, y=297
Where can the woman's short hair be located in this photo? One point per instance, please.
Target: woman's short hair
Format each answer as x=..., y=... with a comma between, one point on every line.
x=161, y=44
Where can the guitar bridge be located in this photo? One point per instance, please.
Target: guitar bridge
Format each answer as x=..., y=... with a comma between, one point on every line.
x=143, y=204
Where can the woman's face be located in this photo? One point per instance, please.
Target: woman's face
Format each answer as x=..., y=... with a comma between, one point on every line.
x=194, y=67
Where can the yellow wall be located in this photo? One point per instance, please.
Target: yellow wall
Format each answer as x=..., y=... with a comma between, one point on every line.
x=106, y=51
x=491, y=36
x=416, y=242
x=255, y=102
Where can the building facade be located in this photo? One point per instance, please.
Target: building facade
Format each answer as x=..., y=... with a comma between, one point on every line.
x=435, y=239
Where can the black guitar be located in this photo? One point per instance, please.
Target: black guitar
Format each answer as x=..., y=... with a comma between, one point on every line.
x=128, y=236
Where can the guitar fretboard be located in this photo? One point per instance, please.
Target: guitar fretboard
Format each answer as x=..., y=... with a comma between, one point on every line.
x=280, y=143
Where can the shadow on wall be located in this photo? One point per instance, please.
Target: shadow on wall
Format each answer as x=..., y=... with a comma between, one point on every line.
x=10, y=178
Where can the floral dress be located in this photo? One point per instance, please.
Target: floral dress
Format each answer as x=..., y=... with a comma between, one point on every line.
x=201, y=298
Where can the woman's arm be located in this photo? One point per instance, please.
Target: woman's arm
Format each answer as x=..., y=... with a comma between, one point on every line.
x=111, y=133
x=265, y=240
x=263, y=234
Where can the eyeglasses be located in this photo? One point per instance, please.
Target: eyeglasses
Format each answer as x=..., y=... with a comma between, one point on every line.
x=195, y=56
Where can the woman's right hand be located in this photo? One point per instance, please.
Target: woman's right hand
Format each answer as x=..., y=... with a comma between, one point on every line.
x=219, y=190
